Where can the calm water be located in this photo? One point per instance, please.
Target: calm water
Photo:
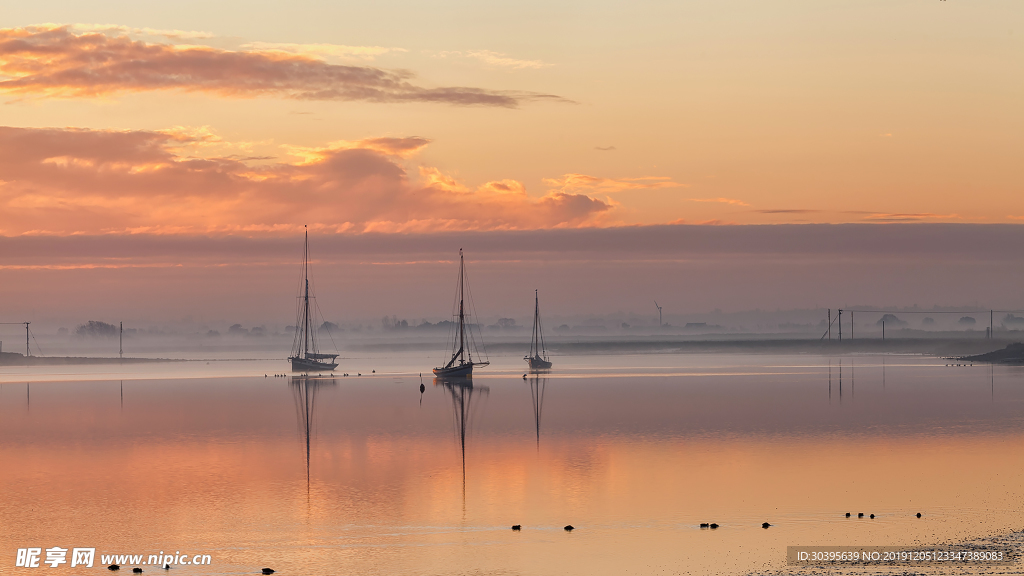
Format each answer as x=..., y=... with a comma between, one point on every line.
x=367, y=475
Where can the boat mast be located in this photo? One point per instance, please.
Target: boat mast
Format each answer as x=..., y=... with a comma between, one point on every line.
x=305, y=298
x=462, y=315
x=535, y=341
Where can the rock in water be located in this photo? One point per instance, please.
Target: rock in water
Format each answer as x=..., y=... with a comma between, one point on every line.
x=766, y=525
x=268, y=570
x=714, y=526
x=517, y=527
x=569, y=528
x=113, y=567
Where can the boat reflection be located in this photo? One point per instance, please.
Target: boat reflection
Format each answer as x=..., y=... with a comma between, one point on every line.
x=461, y=391
x=304, y=392
x=537, y=386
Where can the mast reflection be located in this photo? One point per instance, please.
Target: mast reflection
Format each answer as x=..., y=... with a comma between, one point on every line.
x=461, y=391
x=304, y=392
x=537, y=386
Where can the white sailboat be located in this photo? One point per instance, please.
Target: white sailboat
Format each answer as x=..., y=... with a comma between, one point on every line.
x=538, y=356
x=461, y=362
x=306, y=356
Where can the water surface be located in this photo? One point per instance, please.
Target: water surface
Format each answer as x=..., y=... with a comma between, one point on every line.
x=364, y=474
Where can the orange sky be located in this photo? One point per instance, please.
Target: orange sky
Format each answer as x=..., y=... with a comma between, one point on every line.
x=190, y=122
x=649, y=114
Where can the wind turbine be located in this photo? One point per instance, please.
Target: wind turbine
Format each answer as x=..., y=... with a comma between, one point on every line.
x=659, y=314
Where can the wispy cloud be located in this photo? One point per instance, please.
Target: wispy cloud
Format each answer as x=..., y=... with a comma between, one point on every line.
x=908, y=217
x=57, y=62
x=732, y=201
x=76, y=181
x=787, y=211
x=496, y=59
x=578, y=182
x=332, y=50
x=117, y=28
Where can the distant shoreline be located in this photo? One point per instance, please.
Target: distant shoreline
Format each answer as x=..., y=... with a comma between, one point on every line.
x=939, y=347
x=15, y=359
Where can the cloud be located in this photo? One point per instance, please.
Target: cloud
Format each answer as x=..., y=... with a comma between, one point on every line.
x=787, y=211
x=165, y=33
x=732, y=201
x=494, y=59
x=333, y=50
x=909, y=217
x=56, y=62
x=401, y=147
x=78, y=181
x=570, y=182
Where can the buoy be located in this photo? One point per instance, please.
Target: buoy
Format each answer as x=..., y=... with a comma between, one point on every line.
x=569, y=528
x=422, y=388
x=765, y=525
x=374, y=371
x=113, y=567
x=517, y=527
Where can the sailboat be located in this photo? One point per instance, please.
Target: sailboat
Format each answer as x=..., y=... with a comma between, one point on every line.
x=461, y=362
x=538, y=356
x=306, y=355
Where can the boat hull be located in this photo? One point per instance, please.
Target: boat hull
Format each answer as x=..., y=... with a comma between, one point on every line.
x=463, y=370
x=309, y=365
x=538, y=363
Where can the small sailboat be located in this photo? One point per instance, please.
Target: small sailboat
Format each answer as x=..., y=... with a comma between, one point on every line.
x=461, y=362
x=538, y=356
x=306, y=356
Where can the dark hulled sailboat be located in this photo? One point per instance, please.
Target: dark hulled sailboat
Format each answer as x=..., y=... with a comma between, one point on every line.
x=538, y=356
x=306, y=356
x=461, y=362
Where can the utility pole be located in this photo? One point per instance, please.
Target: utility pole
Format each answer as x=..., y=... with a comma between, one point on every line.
x=830, y=329
x=27, y=354
x=659, y=313
x=991, y=325
x=840, y=329
x=883, y=329
x=851, y=324
x=120, y=340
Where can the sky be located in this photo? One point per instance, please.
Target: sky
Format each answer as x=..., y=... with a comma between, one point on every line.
x=184, y=127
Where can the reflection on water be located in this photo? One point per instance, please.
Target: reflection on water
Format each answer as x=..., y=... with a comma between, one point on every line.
x=461, y=391
x=537, y=385
x=304, y=390
x=635, y=460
